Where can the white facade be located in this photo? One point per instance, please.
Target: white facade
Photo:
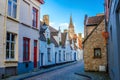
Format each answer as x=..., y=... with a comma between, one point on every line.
x=28, y=31
x=58, y=54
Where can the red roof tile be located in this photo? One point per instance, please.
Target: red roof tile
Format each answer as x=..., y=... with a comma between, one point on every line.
x=95, y=20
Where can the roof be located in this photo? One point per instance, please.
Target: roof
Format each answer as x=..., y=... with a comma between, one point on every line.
x=53, y=40
x=41, y=1
x=42, y=37
x=100, y=20
x=63, y=38
x=54, y=33
x=95, y=20
x=52, y=29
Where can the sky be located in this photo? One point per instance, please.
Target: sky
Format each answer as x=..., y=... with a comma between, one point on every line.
x=59, y=12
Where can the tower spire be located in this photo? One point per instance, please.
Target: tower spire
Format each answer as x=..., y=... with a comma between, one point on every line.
x=71, y=22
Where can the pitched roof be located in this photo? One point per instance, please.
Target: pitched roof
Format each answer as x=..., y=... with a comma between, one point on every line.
x=95, y=20
x=100, y=20
x=52, y=29
x=42, y=37
x=63, y=39
x=53, y=40
x=54, y=33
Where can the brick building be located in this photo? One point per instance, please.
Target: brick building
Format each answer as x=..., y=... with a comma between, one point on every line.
x=95, y=57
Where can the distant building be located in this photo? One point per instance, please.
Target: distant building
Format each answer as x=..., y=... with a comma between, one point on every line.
x=56, y=46
x=112, y=12
x=75, y=41
x=95, y=57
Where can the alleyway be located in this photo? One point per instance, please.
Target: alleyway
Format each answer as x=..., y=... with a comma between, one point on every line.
x=66, y=73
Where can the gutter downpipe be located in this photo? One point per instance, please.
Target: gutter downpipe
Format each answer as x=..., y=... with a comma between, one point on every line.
x=5, y=29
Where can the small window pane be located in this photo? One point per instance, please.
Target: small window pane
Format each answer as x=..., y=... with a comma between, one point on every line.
x=35, y=44
x=13, y=37
x=8, y=36
x=9, y=7
x=7, y=54
x=14, y=10
x=12, y=46
x=12, y=54
x=7, y=45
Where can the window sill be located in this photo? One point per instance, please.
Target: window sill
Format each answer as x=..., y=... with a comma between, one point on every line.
x=35, y=28
x=9, y=17
x=11, y=61
x=97, y=57
x=26, y=61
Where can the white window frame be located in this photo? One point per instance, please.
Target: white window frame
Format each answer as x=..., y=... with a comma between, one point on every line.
x=11, y=13
x=10, y=48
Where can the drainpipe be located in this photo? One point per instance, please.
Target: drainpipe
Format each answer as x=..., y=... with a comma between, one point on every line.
x=106, y=24
x=4, y=35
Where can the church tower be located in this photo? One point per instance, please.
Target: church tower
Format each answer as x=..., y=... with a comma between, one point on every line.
x=71, y=29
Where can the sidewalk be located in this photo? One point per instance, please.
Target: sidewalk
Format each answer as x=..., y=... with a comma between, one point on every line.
x=93, y=75
x=38, y=72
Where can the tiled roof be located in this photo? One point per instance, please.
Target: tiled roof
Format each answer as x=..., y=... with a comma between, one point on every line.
x=54, y=33
x=99, y=19
x=53, y=40
x=63, y=38
x=52, y=29
x=95, y=20
x=42, y=37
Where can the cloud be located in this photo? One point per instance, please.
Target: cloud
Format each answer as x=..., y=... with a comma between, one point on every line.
x=54, y=25
x=65, y=25
x=61, y=25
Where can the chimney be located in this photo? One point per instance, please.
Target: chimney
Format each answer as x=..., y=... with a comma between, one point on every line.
x=85, y=19
x=46, y=19
x=80, y=35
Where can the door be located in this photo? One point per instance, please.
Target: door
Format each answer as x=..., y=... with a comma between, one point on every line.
x=35, y=53
x=55, y=57
x=75, y=56
x=41, y=59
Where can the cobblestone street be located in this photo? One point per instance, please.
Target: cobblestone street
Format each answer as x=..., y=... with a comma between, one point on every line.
x=66, y=73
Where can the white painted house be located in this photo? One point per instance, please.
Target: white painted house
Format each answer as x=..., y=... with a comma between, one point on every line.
x=28, y=57
x=9, y=20
x=19, y=35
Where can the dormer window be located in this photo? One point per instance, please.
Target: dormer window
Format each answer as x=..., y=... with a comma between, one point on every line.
x=35, y=17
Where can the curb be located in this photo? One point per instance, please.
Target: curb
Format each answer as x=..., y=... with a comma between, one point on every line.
x=39, y=72
x=90, y=78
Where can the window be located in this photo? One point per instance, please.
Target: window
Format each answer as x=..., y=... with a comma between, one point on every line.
x=35, y=17
x=10, y=46
x=64, y=55
x=26, y=49
x=97, y=53
x=49, y=56
x=12, y=8
x=59, y=55
x=111, y=32
x=119, y=15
